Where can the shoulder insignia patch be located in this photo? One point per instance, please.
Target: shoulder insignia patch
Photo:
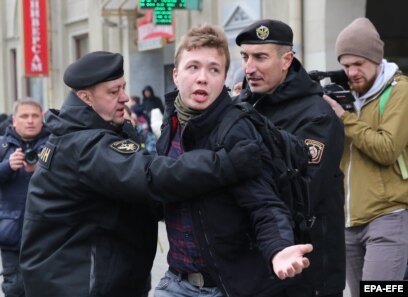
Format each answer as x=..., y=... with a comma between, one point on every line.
x=126, y=146
x=316, y=150
x=46, y=154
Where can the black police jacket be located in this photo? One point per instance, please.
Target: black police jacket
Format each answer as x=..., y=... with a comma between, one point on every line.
x=90, y=227
x=238, y=228
x=297, y=106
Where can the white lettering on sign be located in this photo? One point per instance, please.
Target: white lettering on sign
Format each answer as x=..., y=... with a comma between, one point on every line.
x=36, y=63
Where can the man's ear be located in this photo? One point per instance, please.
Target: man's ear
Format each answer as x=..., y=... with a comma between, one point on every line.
x=85, y=96
x=287, y=60
x=175, y=77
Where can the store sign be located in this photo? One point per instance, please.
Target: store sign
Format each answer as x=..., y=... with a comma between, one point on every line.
x=151, y=36
x=162, y=9
x=151, y=44
x=35, y=37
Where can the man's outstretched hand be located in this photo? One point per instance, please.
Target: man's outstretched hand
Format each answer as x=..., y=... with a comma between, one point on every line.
x=291, y=261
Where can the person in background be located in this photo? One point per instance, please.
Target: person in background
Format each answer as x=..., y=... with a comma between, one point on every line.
x=23, y=140
x=5, y=121
x=236, y=241
x=279, y=87
x=90, y=225
x=151, y=101
x=374, y=158
x=237, y=82
x=156, y=121
x=134, y=100
x=144, y=134
x=138, y=110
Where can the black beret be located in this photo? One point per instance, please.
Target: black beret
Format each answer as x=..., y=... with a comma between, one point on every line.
x=93, y=68
x=266, y=31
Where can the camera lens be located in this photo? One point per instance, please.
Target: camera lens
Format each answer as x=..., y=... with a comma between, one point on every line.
x=30, y=156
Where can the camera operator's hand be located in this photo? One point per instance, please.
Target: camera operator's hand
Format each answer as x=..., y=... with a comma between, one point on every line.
x=338, y=109
x=29, y=167
x=16, y=161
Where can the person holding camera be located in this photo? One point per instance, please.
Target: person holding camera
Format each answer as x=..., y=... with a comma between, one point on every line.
x=374, y=159
x=23, y=140
x=279, y=88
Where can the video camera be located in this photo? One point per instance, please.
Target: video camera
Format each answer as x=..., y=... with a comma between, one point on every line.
x=337, y=89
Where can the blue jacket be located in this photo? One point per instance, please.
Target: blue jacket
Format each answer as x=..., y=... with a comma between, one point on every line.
x=14, y=184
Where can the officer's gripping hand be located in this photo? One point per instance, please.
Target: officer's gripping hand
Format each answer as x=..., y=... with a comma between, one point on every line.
x=246, y=157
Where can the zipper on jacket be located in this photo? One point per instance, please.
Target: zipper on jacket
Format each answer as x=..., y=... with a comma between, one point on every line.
x=348, y=216
x=92, y=276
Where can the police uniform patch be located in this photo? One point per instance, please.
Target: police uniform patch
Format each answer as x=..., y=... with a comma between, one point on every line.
x=44, y=159
x=316, y=150
x=126, y=146
x=262, y=32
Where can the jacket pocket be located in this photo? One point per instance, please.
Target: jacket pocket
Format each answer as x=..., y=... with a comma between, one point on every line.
x=10, y=229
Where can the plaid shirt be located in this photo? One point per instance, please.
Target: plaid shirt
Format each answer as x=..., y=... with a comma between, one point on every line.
x=184, y=253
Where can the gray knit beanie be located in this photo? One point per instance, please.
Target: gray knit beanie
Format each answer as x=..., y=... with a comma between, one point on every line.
x=360, y=38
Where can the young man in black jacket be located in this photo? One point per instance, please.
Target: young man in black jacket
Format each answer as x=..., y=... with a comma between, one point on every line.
x=280, y=88
x=90, y=226
x=238, y=240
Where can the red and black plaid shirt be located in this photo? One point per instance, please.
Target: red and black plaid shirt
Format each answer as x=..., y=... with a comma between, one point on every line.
x=184, y=253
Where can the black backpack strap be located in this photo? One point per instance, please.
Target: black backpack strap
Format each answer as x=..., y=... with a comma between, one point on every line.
x=279, y=143
x=283, y=146
x=269, y=132
x=226, y=124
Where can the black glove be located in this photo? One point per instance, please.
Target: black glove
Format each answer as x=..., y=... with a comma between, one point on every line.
x=246, y=157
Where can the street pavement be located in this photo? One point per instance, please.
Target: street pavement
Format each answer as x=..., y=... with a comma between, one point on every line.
x=160, y=262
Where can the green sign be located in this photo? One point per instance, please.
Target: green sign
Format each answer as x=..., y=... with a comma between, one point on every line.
x=162, y=8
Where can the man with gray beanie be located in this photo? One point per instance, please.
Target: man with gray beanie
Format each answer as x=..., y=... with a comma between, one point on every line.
x=90, y=226
x=374, y=158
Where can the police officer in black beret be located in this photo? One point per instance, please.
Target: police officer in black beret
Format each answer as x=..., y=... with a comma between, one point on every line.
x=90, y=226
x=280, y=88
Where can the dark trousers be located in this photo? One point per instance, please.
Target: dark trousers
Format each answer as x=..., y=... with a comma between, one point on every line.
x=13, y=285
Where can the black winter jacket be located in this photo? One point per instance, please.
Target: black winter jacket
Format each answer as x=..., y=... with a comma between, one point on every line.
x=90, y=227
x=238, y=228
x=297, y=106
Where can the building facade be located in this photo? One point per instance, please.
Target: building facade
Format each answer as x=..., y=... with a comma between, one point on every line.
x=76, y=27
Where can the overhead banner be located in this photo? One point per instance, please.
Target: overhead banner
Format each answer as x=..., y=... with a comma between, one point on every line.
x=35, y=37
